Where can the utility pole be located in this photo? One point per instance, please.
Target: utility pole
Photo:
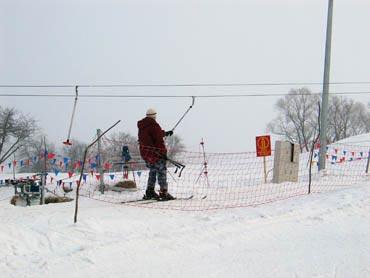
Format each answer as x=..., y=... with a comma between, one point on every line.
x=325, y=90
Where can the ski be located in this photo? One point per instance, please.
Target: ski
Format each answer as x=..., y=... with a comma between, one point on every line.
x=144, y=201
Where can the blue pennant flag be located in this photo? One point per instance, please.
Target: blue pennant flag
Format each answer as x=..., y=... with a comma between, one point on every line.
x=84, y=177
x=56, y=172
x=35, y=158
x=54, y=161
x=111, y=177
x=139, y=173
x=9, y=164
x=93, y=165
x=97, y=157
x=65, y=159
x=21, y=162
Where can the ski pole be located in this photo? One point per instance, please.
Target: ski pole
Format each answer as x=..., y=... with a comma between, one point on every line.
x=70, y=125
x=191, y=106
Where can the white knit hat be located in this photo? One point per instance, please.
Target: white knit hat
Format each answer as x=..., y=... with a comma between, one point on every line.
x=151, y=112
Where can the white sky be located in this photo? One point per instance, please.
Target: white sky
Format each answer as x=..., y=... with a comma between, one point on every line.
x=175, y=42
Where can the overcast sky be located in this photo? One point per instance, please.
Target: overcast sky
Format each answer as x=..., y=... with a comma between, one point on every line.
x=86, y=42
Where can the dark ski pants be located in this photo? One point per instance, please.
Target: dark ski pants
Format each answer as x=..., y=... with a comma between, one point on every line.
x=159, y=170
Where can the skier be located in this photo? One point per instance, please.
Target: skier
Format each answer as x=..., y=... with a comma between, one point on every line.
x=153, y=150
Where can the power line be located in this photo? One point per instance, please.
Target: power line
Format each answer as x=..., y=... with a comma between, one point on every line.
x=187, y=85
x=58, y=95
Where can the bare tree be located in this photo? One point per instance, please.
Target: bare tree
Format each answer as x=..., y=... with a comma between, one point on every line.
x=297, y=117
x=346, y=118
x=74, y=152
x=34, y=152
x=297, y=114
x=14, y=129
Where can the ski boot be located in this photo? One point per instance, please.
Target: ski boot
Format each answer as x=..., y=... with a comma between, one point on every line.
x=165, y=196
x=150, y=194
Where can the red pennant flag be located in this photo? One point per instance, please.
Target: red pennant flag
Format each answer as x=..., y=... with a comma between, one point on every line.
x=15, y=163
x=70, y=174
x=336, y=150
x=79, y=164
x=41, y=155
x=125, y=176
x=74, y=165
x=353, y=153
x=78, y=182
x=107, y=166
x=34, y=176
x=60, y=163
x=89, y=161
x=92, y=172
x=51, y=179
x=2, y=168
x=51, y=155
x=28, y=162
x=97, y=176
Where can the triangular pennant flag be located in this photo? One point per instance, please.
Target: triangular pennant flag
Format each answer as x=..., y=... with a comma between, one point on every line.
x=74, y=165
x=41, y=155
x=79, y=164
x=97, y=157
x=78, y=182
x=93, y=165
x=60, y=163
x=344, y=152
x=70, y=174
x=56, y=172
x=50, y=155
x=65, y=159
x=139, y=173
x=84, y=176
x=28, y=162
x=70, y=184
x=51, y=179
x=97, y=176
x=111, y=177
x=107, y=166
x=92, y=172
x=361, y=153
x=54, y=161
x=2, y=168
x=125, y=176
x=9, y=164
x=21, y=162
x=15, y=163
x=35, y=158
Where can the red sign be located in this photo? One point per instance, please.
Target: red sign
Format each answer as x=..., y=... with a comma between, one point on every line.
x=263, y=145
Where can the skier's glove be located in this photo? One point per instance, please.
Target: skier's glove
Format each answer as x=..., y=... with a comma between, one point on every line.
x=168, y=133
x=163, y=156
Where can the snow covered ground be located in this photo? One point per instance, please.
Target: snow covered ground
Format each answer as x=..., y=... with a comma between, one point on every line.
x=319, y=235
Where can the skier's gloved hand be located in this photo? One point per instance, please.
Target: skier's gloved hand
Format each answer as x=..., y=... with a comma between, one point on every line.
x=163, y=156
x=168, y=133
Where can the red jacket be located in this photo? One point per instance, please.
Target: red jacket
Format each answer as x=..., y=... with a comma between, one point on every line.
x=151, y=140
